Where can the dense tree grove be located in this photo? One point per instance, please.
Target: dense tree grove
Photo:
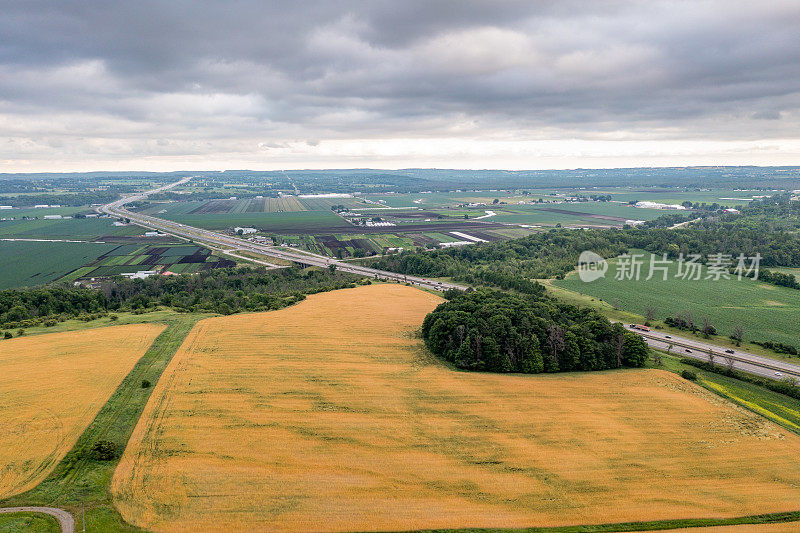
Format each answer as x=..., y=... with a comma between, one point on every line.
x=779, y=278
x=766, y=227
x=224, y=290
x=493, y=331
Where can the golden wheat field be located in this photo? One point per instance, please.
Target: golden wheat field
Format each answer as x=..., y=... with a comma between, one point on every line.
x=329, y=416
x=51, y=388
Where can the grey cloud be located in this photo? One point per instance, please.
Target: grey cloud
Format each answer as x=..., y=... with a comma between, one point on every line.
x=247, y=70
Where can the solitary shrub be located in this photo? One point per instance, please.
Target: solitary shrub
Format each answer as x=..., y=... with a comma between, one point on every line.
x=113, y=317
x=145, y=383
x=688, y=374
x=49, y=323
x=7, y=335
x=104, y=450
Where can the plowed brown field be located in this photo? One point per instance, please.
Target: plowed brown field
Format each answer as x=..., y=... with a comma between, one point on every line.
x=51, y=388
x=329, y=416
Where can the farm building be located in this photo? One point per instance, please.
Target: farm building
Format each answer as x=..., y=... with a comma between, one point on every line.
x=141, y=274
x=656, y=205
x=245, y=231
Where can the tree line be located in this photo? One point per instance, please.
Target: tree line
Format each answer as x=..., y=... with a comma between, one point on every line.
x=488, y=330
x=66, y=199
x=223, y=290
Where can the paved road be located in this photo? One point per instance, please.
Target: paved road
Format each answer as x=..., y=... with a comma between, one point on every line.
x=741, y=360
x=63, y=517
x=235, y=244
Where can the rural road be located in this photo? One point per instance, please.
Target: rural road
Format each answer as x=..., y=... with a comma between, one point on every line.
x=63, y=517
x=745, y=361
x=234, y=244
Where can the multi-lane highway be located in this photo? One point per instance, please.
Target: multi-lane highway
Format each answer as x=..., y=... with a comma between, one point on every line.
x=231, y=244
x=739, y=359
x=688, y=347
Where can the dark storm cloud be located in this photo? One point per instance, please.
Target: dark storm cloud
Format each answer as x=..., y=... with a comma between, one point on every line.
x=343, y=69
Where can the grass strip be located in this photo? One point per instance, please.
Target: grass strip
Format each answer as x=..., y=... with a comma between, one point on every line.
x=79, y=480
x=787, y=386
x=655, y=525
x=28, y=522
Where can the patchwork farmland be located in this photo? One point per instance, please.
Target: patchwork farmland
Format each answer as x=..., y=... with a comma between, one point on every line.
x=51, y=388
x=25, y=263
x=128, y=258
x=311, y=418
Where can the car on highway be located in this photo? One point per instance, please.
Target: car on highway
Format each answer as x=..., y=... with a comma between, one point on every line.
x=688, y=350
x=667, y=337
x=778, y=374
x=729, y=351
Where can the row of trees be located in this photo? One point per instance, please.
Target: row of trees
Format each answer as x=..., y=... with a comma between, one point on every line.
x=224, y=290
x=488, y=330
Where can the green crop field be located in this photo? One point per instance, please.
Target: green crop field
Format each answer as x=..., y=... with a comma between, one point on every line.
x=83, y=229
x=289, y=223
x=727, y=197
x=590, y=213
x=29, y=522
x=165, y=209
x=41, y=212
x=785, y=270
x=286, y=204
x=179, y=259
x=32, y=263
x=764, y=311
x=324, y=204
x=437, y=200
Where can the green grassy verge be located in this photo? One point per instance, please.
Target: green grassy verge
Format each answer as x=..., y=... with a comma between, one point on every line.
x=29, y=522
x=766, y=312
x=773, y=518
x=160, y=315
x=587, y=300
x=779, y=408
x=78, y=479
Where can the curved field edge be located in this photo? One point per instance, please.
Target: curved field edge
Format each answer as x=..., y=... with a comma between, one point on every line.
x=52, y=387
x=316, y=420
x=29, y=522
x=78, y=481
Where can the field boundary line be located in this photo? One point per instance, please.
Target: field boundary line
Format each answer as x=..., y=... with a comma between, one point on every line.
x=653, y=525
x=61, y=486
x=64, y=518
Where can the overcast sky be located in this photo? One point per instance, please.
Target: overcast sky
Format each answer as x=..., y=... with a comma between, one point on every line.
x=88, y=85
